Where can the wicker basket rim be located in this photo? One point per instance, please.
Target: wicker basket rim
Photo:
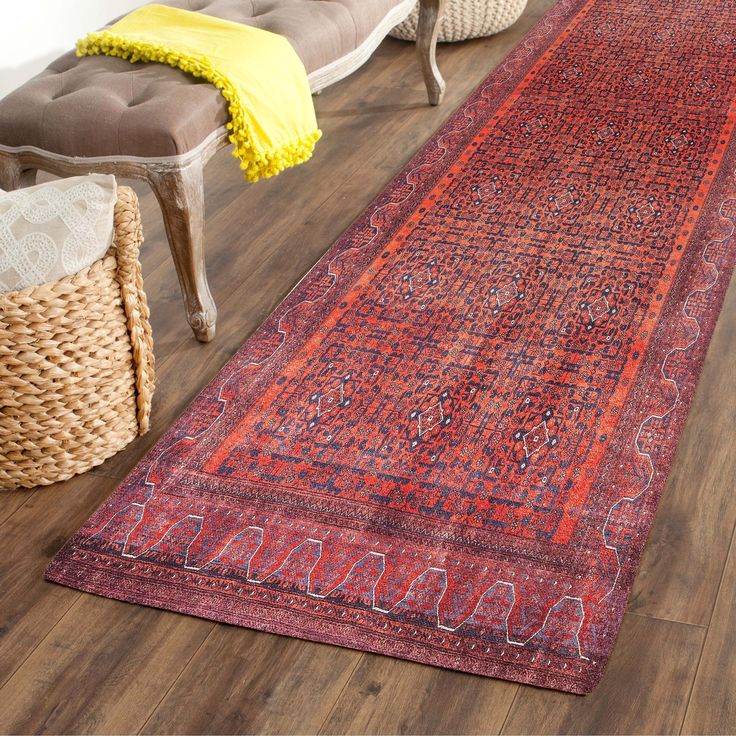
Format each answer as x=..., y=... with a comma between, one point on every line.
x=72, y=279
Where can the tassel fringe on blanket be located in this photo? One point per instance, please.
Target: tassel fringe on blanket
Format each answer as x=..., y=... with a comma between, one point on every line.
x=272, y=122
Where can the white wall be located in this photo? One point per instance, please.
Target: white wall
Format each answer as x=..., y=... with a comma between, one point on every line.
x=35, y=32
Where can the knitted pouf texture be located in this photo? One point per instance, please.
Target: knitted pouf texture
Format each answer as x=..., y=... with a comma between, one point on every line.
x=466, y=19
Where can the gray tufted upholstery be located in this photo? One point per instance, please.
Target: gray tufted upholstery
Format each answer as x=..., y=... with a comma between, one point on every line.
x=103, y=106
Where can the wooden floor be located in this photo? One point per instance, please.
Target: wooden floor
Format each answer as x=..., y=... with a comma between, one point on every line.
x=71, y=662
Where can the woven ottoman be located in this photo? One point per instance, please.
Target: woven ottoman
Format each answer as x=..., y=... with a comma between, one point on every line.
x=465, y=19
x=152, y=122
x=76, y=353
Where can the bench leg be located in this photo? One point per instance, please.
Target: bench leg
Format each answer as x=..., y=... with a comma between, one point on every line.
x=180, y=193
x=430, y=15
x=12, y=173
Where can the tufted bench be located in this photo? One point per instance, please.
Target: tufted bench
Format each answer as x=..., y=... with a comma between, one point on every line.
x=149, y=121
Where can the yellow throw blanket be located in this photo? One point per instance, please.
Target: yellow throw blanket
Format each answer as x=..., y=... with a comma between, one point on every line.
x=272, y=119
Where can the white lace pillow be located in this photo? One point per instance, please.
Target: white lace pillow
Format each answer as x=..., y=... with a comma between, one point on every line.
x=54, y=229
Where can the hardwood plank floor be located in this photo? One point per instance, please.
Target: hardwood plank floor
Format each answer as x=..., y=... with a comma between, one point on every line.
x=71, y=662
x=385, y=696
x=644, y=690
x=265, y=684
x=712, y=707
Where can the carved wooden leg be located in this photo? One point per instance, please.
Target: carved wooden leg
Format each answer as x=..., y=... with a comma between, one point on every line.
x=430, y=15
x=180, y=192
x=12, y=173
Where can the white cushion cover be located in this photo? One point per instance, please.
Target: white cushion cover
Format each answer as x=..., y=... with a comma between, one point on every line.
x=54, y=229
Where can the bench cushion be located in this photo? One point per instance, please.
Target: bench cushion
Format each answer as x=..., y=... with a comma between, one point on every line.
x=105, y=106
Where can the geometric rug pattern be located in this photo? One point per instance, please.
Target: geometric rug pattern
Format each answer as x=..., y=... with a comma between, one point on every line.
x=448, y=443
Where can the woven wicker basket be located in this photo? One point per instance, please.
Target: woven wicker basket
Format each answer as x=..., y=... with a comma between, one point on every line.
x=466, y=19
x=76, y=364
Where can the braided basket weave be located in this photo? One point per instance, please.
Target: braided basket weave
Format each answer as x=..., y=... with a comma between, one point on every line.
x=466, y=19
x=76, y=364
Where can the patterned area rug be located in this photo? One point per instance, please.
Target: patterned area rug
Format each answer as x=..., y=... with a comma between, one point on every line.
x=448, y=443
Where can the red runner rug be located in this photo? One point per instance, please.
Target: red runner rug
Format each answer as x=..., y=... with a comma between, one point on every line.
x=448, y=443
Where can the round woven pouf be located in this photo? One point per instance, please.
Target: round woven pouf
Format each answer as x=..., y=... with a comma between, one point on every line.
x=466, y=19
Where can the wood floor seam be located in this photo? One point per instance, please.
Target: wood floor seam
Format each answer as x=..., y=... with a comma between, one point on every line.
x=76, y=600
x=358, y=660
x=668, y=620
x=16, y=510
x=176, y=679
x=510, y=708
x=731, y=544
